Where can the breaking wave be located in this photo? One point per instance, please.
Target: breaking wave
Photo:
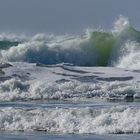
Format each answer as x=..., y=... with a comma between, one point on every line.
x=118, y=47
x=115, y=120
x=17, y=90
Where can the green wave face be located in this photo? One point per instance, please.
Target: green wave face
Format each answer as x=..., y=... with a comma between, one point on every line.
x=103, y=44
x=107, y=45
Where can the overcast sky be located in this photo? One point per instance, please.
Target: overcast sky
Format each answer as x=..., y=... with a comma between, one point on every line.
x=64, y=16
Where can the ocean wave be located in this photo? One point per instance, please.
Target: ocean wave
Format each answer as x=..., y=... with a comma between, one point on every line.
x=18, y=90
x=94, y=48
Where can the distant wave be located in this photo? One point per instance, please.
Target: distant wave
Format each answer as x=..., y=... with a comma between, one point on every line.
x=119, y=47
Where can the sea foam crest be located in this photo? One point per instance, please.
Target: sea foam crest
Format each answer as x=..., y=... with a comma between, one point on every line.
x=15, y=89
x=120, y=24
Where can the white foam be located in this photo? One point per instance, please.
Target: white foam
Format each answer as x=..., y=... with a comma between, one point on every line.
x=130, y=56
x=30, y=82
x=56, y=50
x=120, y=24
x=83, y=120
x=19, y=52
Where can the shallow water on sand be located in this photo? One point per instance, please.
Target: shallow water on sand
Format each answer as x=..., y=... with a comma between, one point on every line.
x=44, y=136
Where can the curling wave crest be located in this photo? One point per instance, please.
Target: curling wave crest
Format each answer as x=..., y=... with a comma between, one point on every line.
x=94, y=48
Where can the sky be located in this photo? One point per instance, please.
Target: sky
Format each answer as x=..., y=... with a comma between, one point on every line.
x=64, y=16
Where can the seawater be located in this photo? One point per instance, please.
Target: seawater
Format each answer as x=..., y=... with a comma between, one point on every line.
x=71, y=87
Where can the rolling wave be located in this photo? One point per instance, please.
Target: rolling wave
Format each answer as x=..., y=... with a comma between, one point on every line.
x=95, y=48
